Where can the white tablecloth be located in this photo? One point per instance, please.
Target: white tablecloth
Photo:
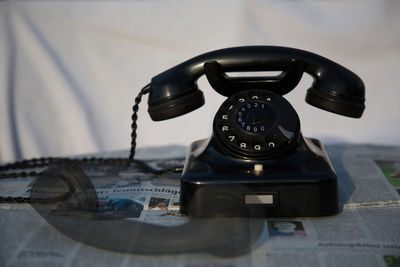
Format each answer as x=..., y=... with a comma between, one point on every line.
x=70, y=70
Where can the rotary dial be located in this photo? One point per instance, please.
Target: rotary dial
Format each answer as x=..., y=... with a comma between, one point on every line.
x=256, y=123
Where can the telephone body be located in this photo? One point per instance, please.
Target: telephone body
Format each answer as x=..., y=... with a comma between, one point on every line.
x=257, y=162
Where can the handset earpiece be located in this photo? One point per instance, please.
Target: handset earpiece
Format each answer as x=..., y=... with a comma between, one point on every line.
x=336, y=89
x=169, y=105
x=174, y=93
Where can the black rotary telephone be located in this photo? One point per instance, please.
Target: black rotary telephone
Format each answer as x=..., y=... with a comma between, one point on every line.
x=256, y=162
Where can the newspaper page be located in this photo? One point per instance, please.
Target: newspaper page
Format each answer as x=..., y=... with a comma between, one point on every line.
x=139, y=222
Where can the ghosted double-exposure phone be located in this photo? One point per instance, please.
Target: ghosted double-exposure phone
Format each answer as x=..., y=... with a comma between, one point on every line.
x=256, y=162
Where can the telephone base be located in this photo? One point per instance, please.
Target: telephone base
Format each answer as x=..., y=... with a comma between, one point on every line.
x=302, y=183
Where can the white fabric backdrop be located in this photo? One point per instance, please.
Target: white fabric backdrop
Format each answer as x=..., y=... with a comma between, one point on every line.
x=70, y=70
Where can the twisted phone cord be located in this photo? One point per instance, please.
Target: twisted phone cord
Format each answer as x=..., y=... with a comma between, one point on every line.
x=28, y=165
x=135, y=110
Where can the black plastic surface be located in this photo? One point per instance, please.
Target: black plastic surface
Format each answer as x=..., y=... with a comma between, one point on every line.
x=176, y=106
x=256, y=123
x=339, y=90
x=226, y=86
x=303, y=183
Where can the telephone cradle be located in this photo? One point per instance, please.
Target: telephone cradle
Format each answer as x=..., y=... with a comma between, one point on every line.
x=257, y=162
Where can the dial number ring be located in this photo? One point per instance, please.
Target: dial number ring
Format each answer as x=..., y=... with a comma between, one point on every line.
x=256, y=122
x=255, y=117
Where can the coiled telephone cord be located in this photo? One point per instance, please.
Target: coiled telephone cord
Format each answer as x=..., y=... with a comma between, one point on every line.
x=7, y=171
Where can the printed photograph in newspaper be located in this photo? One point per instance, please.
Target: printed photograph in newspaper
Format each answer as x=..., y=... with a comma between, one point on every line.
x=286, y=228
x=391, y=170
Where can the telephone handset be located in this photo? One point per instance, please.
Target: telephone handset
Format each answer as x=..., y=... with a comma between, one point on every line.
x=257, y=163
x=335, y=88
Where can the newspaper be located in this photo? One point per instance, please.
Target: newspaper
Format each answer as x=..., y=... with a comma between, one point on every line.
x=141, y=225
